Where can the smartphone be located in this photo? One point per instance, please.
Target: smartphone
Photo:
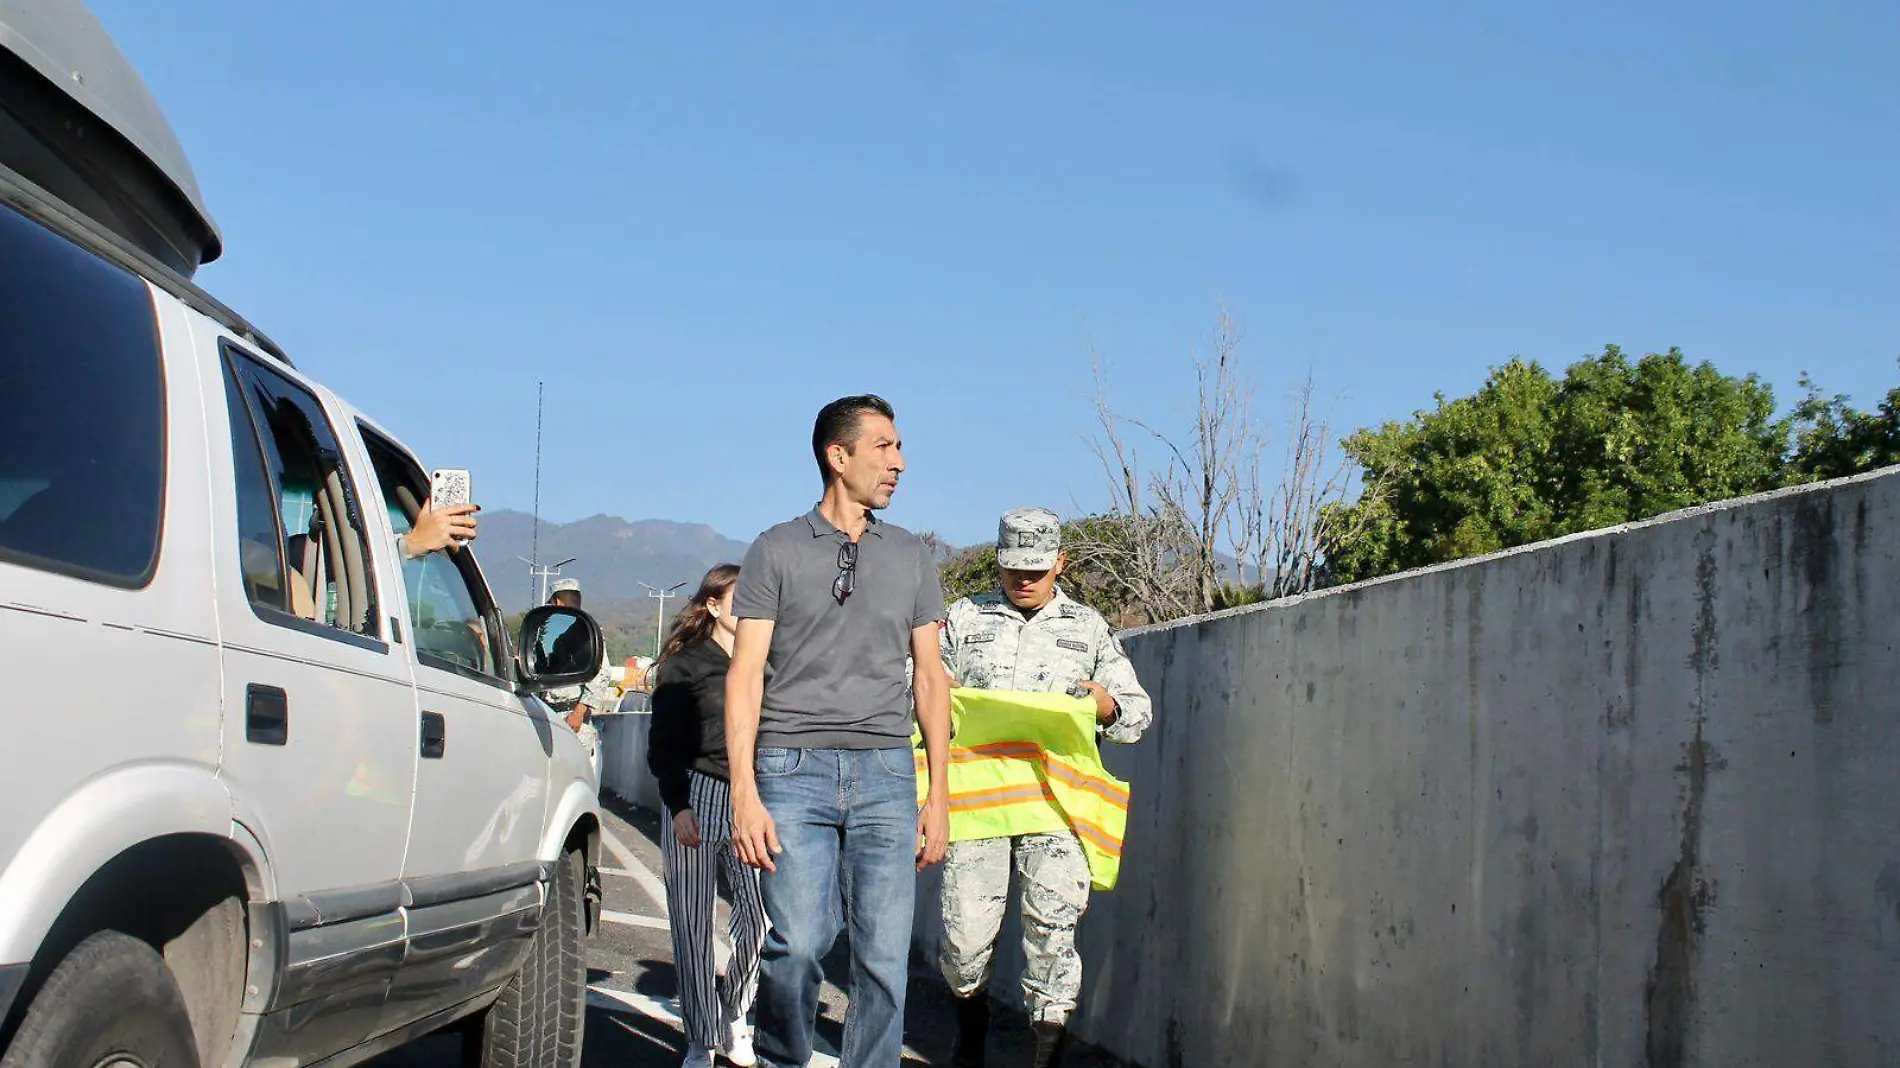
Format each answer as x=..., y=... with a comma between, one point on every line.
x=449, y=486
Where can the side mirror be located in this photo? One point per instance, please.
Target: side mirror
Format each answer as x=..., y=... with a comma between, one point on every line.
x=559, y=646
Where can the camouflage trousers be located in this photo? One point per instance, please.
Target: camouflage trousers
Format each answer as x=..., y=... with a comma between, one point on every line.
x=590, y=741
x=1052, y=874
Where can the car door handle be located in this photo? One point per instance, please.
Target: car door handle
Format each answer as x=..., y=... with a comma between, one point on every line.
x=435, y=736
x=266, y=715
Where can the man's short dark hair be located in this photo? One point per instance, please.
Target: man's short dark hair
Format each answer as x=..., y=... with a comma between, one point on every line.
x=565, y=598
x=839, y=423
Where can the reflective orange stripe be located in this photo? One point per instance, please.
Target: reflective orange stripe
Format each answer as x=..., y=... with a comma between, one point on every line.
x=1034, y=789
x=1014, y=795
x=997, y=749
x=1107, y=791
x=1028, y=763
x=1107, y=843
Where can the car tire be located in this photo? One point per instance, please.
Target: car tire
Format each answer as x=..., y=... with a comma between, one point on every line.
x=538, y=1020
x=111, y=1001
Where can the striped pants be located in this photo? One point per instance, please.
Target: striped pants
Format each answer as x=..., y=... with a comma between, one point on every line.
x=692, y=876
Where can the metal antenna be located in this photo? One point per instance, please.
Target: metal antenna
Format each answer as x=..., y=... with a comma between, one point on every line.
x=534, y=539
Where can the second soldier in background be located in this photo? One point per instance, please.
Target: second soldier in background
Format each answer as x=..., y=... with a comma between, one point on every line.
x=1028, y=636
x=580, y=703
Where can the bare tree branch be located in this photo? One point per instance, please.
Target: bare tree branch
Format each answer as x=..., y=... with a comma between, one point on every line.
x=1130, y=548
x=1200, y=502
x=1315, y=477
x=1168, y=533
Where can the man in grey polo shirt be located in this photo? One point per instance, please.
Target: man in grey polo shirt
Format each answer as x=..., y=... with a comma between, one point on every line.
x=824, y=790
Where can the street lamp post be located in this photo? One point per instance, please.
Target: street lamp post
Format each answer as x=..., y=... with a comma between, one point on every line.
x=659, y=614
x=543, y=573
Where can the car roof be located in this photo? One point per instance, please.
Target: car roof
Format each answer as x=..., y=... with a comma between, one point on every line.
x=66, y=45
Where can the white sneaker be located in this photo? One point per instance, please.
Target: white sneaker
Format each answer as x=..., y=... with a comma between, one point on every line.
x=738, y=1045
x=697, y=1057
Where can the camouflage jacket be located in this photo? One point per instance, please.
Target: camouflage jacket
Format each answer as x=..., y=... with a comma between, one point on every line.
x=988, y=645
x=598, y=693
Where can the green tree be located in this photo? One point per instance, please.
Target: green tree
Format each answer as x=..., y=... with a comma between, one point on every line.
x=1832, y=439
x=1529, y=456
x=969, y=573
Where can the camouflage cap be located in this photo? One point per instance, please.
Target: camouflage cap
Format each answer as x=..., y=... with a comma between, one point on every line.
x=1028, y=539
x=564, y=585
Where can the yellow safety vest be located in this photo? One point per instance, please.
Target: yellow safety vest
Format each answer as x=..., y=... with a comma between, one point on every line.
x=1027, y=763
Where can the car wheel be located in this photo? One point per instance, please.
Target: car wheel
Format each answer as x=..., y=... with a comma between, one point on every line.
x=111, y=1003
x=537, y=1021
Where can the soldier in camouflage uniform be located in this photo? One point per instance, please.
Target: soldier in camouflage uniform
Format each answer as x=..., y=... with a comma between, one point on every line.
x=1028, y=636
x=579, y=703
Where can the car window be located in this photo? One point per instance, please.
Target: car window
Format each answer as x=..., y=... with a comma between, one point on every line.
x=260, y=537
x=453, y=621
x=303, y=551
x=82, y=411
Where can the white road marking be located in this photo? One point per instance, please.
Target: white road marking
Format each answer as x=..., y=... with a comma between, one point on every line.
x=667, y=1011
x=622, y=1001
x=612, y=1000
x=655, y=889
x=632, y=920
x=636, y=870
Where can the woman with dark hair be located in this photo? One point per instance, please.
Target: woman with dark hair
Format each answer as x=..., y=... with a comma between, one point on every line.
x=686, y=751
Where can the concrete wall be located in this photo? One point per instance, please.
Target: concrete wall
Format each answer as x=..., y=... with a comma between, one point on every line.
x=623, y=758
x=1631, y=798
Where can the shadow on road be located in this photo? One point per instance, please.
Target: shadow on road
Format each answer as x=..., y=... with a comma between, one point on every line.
x=628, y=1040
x=658, y=979
x=643, y=820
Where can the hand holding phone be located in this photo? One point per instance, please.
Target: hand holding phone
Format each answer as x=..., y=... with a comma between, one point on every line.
x=447, y=521
x=449, y=487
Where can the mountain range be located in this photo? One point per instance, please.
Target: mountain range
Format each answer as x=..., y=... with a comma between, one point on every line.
x=613, y=556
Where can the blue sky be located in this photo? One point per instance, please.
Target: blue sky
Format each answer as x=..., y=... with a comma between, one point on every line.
x=697, y=224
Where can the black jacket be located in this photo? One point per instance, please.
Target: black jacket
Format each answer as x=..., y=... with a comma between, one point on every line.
x=689, y=721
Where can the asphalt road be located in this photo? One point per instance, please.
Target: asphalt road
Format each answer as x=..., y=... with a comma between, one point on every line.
x=632, y=1019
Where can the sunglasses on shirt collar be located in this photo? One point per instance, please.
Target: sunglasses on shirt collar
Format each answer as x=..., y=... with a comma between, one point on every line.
x=847, y=580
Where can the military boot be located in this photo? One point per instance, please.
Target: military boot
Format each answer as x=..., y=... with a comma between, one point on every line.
x=1051, y=1038
x=973, y=1030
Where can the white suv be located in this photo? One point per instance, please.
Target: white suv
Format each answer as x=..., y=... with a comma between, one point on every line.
x=270, y=793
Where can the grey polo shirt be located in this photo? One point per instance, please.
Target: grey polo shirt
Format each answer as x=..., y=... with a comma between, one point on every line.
x=836, y=678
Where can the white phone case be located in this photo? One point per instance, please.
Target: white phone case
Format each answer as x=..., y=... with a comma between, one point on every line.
x=449, y=486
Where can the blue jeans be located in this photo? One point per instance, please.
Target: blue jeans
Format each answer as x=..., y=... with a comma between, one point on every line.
x=847, y=821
